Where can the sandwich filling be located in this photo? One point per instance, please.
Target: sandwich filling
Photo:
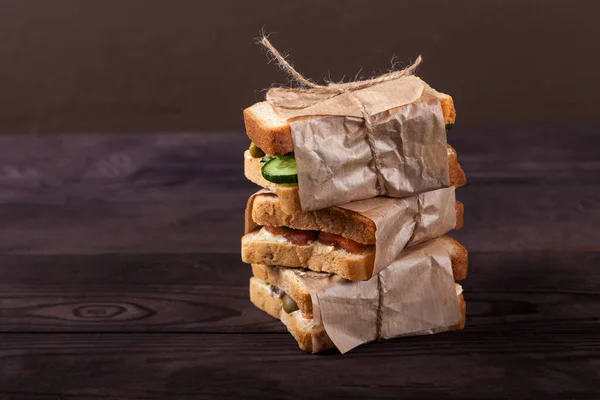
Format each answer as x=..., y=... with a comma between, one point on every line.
x=301, y=237
x=288, y=304
x=281, y=168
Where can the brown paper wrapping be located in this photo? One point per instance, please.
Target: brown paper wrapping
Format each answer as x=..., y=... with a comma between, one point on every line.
x=333, y=155
x=407, y=221
x=341, y=161
x=400, y=222
x=375, y=99
x=414, y=295
x=412, y=291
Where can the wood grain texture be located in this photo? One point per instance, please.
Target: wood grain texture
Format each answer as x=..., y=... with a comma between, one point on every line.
x=120, y=277
x=129, y=293
x=208, y=293
x=560, y=363
x=185, y=192
x=532, y=331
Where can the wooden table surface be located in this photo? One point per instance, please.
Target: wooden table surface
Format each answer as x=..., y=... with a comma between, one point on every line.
x=120, y=276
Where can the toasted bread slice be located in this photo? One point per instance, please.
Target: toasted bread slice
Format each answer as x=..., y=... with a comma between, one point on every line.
x=261, y=247
x=302, y=327
x=295, y=281
x=459, y=256
x=288, y=193
x=457, y=175
x=267, y=210
x=274, y=136
x=291, y=280
x=264, y=248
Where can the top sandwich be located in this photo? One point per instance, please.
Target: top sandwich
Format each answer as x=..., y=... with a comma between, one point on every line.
x=270, y=160
x=289, y=194
x=273, y=134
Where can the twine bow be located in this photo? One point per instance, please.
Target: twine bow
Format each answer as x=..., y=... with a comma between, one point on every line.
x=313, y=93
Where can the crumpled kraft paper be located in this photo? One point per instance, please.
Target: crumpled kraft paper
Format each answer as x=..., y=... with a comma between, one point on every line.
x=335, y=161
x=400, y=222
x=414, y=295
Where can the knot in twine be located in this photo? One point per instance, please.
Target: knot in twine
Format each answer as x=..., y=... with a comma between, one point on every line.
x=313, y=93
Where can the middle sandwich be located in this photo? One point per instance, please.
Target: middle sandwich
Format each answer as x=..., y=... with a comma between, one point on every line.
x=346, y=240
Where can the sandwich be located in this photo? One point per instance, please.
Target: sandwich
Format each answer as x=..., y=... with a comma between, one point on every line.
x=333, y=240
x=270, y=162
x=347, y=240
x=286, y=294
x=273, y=135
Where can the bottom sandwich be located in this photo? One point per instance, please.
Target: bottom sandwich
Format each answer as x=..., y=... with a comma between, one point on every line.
x=285, y=293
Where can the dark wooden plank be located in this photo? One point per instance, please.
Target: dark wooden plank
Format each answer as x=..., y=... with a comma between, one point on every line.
x=154, y=325
x=213, y=224
x=185, y=192
x=528, y=154
x=515, y=217
x=191, y=293
x=529, y=292
x=157, y=167
x=39, y=168
x=497, y=217
x=556, y=363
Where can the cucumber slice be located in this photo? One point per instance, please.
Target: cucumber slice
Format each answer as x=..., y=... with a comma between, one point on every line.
x=266, y=159
x=449, y=127
x=281, y=169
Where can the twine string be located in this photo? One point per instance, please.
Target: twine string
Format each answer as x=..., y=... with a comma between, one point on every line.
x=332, y=89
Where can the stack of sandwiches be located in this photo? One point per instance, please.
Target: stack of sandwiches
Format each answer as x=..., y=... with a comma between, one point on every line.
x=356, y=272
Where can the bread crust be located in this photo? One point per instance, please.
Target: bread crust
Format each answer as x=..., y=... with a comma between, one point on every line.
x=288, y=194
x=459, y=256
x=267, y=210
x=460, y=215
x=260, y=297
x=286, y=280
x=463, y=311
x=310, y=338
x=448, y=109
x=272, y=139
x=457, y=175
x=317, y=258
x=302, y=329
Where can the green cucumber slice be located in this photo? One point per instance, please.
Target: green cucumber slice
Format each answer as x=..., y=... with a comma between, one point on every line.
x=266, y=159
x=280, y=169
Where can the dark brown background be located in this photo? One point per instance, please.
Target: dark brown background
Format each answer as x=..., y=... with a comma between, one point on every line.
x=120, y=272
x=71, y=65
